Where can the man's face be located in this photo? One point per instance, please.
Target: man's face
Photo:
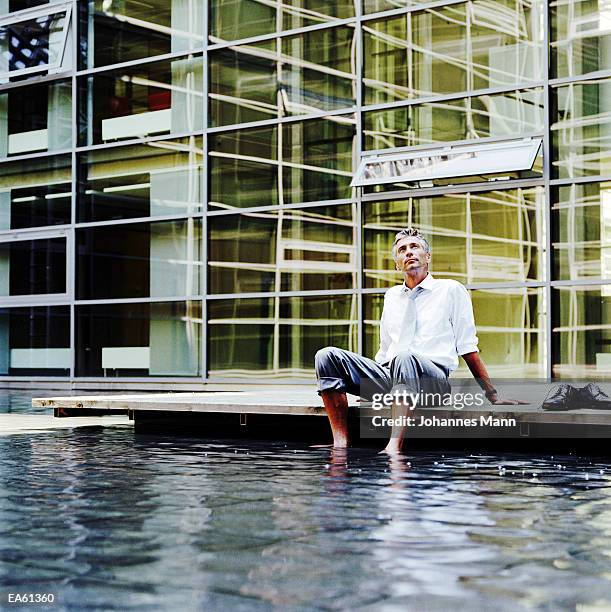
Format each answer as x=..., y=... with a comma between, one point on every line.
x=411, y=255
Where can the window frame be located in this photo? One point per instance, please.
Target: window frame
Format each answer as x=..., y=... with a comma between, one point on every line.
x=28, y=15
x=530, y=148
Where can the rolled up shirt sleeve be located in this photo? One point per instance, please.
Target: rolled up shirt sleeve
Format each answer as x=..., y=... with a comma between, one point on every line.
x=463, y=322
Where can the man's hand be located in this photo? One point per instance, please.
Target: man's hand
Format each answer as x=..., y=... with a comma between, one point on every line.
x=507, y=402
x=480, y=373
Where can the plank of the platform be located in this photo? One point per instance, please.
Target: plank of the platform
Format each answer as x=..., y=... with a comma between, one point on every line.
x=15, y=423
x=270, y=402
x=299, y=402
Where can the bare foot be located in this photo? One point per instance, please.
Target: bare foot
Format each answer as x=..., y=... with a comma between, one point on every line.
x=392, y=450
x=340, y=446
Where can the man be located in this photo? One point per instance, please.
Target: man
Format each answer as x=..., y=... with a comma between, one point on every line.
x=426, y=324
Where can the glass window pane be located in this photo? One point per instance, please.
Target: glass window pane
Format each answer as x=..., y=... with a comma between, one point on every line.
x=312, y=163
x=155, y=339
x=580, y=37
x=510, y=114
x=148, y=180
x=277, y=337
x=236, y=19
x=35, y=192
x=30, y=267
x=456, y=48
x=33, y=44
x=130, y=30
x=139, y=260
x=581, y=217
x=36, y=118
x=582, y=331
x=310, y=72
x=490, y=236
x=148, y=99
x=581, y=132
x=510, y=327
x=289, y=250
x=35, y=341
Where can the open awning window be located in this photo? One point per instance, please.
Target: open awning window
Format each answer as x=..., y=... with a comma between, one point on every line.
x=34, y=41
x=447, y=162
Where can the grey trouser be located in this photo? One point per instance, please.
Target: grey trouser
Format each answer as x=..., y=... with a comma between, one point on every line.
x=345, y=371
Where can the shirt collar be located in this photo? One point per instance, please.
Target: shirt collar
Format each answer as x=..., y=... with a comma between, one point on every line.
x=426, y=283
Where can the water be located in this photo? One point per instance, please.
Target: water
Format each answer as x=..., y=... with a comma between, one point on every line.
x=109, y=520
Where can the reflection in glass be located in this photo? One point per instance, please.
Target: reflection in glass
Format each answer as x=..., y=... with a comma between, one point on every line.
x=35, y=43
x=35, y=192
x=236, y=19
x=147, y=99
x=32, y=267
x=37, y=118
x=501, y=115
x=582, y=331
x=35, y=341
x=311, y=162
x=581, y=132
x=139, y=260
x=582, y=219
x=277, y=337
x=493, y=236
x=456, y=48
x=510, y=327
x=152, y=179
x=304, y=74
x=283, y=250
x=581, y=36
x=153, y=339
x=127, y=30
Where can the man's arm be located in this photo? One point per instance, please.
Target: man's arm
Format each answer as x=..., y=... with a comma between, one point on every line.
x=480, y=373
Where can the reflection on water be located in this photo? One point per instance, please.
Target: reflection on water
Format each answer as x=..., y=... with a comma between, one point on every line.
x=110, y=520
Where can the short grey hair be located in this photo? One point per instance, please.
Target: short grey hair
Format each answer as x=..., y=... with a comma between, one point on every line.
x=409, y=231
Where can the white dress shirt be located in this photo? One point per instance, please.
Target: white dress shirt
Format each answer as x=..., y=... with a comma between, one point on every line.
x=445, y=327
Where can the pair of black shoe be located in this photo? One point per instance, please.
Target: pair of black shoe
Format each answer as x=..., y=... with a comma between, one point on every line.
x=567, y=397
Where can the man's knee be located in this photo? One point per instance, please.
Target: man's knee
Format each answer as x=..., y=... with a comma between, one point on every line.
x=403, y=357
x=324, y=356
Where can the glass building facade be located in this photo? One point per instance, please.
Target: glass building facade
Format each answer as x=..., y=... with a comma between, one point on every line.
x=176, y=197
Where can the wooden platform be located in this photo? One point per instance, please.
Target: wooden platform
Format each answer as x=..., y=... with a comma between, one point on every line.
x=286, y=413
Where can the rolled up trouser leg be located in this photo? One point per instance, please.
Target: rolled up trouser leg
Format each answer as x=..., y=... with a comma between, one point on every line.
x=340, y=370
x=414, y=373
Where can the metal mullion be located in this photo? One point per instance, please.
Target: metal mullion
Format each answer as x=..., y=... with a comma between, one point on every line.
x=139, y=62
x=40, y=299
x=359, y=225
x=137, y=220
x=281, y=34
x=203, y=289
x=74, y=193
x=36, y=80
x=138, y=300
x=547, y=166
x=42, y=229
x=33, y=234
x=459, y=95
x=288, y=119
x=452, y=189
x=280, y=294
x=579, y=180
x=581, y=282
x=41, y=154
x=582, y=78
x=274, y=207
